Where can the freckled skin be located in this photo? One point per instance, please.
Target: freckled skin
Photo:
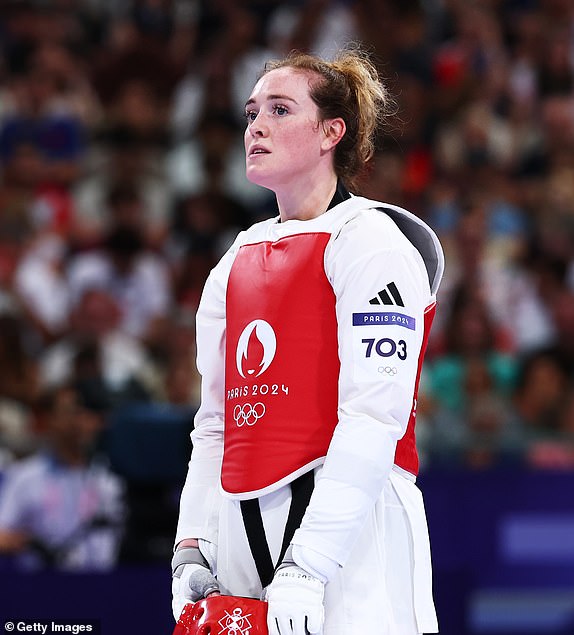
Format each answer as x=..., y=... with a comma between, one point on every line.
x=286, y=126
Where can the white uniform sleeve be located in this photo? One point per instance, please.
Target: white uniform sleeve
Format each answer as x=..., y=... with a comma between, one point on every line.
x=201, y=498
x=382, y=289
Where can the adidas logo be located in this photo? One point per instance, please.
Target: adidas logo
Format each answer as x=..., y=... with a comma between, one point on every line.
x=389, y=295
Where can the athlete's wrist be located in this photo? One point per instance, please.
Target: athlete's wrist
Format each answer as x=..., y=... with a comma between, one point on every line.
x=316, y=564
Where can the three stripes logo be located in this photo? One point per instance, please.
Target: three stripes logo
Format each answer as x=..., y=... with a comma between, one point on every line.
x=389, y=296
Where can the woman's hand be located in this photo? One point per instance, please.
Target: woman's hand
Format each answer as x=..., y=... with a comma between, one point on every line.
x=295, y=600
x=192, y=579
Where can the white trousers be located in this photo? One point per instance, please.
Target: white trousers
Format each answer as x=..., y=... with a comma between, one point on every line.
x=385, y=588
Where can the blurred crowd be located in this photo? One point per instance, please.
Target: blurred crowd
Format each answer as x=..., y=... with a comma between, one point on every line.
x=122, y=183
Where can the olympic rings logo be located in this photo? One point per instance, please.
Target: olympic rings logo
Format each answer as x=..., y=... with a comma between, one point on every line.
x=248, y=414
x=387, y=370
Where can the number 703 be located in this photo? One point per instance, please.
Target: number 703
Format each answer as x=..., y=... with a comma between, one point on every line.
x=386, y=347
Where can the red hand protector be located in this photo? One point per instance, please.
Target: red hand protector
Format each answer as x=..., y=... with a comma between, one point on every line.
x=223, y=615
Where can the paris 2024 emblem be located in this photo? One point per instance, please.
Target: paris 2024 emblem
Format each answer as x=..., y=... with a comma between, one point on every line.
x=255, y=349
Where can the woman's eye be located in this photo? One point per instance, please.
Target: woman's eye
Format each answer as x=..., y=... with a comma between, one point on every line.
x=250, y=115
x=280, y=110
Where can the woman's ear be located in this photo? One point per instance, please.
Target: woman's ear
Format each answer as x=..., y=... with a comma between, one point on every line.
x=333, y=129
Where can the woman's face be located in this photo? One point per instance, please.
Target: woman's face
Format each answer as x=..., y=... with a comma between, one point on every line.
x=283, y=138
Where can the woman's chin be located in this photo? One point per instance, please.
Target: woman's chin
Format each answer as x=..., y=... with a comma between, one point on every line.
x=257, y=178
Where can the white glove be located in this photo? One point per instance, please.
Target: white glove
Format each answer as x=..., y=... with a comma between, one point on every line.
x=295, y=600
x=192, y=579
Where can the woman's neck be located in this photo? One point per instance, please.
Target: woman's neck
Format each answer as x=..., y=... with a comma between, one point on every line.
x=306, y=201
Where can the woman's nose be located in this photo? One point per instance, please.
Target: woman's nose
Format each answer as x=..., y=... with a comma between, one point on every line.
x=258, y=127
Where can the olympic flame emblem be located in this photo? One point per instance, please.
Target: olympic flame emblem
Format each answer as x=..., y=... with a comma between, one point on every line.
x=255, y=349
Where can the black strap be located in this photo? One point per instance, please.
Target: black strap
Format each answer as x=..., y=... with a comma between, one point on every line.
x=255, y=531
x=301, y=490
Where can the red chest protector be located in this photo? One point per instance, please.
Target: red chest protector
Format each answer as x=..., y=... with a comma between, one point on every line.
x=281, y=364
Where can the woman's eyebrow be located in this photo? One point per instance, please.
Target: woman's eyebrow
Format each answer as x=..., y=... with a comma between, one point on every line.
x=271, y=98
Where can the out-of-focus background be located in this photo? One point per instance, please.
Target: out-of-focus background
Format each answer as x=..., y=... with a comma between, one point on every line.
x=122, y=183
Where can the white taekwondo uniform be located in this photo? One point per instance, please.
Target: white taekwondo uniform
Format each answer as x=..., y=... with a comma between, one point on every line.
x=310, y=338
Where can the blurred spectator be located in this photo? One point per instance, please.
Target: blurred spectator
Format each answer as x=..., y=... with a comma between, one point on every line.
x=109, y=366
x=126, y=171
x=539, y=408
x=470, y=334
x=136, y=277
x=18, y=387
x=491, y=439
x=488, y=246
x=204, y=226
x=181, y=380
x=556, y=72
x=476, y=138
x=59, y=508
x=133, y=74
x=467, y=387
x=39, y=123
x=22, y=198
x=480, y=437
x=67, y=67
x=40, y=284
x=42, y=148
